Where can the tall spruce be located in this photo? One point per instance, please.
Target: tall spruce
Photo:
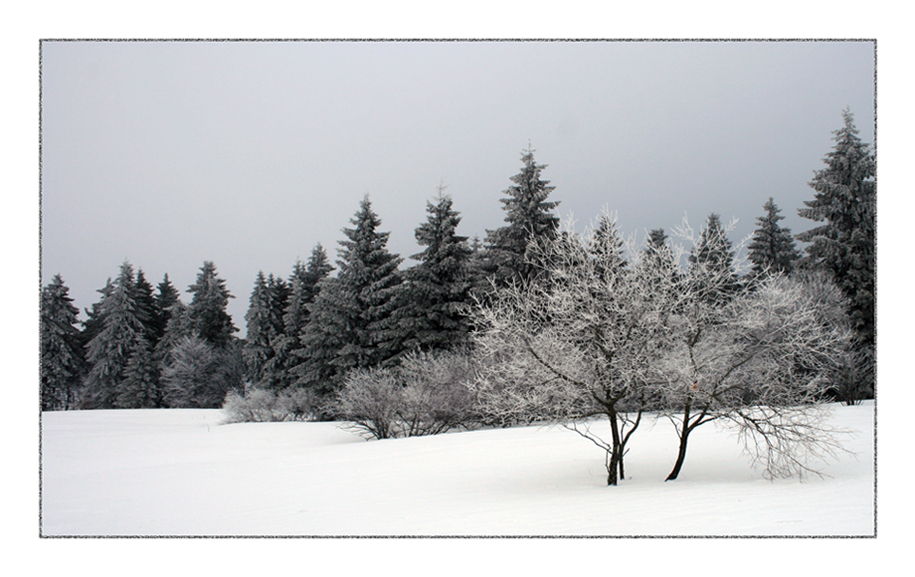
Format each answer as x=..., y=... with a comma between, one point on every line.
x=529, y=215
x=62, y=354
x=139, y=388
x=166, y=297
x=207, y=310
x=351, y=322
x=110, y=350
x=147, y=311
x=772, y=247
x=94, y=322
x=436, y=292
x=258, y=346
x=845, y=202
x=178, y=327
x=303, y=288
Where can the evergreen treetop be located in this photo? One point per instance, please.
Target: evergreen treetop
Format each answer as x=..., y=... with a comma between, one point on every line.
x=772, y=247
x=207, y=310
x=436, y=293
x=529, y=215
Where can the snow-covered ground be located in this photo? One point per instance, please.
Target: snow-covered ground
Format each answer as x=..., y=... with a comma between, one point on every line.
x=182, y=472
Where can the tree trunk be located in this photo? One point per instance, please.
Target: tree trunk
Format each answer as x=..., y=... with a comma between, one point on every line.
x=681, y=455
x=616, y=457
x=684, y=436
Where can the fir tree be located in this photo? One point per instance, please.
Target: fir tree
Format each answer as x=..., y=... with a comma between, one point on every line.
x=351, y=321
x=303, y=288
x=712, y=262
x=207, y=310
x=62, y=353
x=529, y=215
x=109, y=351
x=94, y=322
x=258, y=349
x=436, y=294
x=606, y=247
x=845, y=202
x=166, y=297
x=147, y=311
x=772, y=247
x=178, y=326
x=139, y=388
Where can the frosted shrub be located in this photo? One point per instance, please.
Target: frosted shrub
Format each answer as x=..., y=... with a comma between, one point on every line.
x=261, y=405
x=426, y=395
x=436, y=397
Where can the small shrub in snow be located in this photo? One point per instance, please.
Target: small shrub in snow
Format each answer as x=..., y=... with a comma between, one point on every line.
x=426, y=395
x=261, y=405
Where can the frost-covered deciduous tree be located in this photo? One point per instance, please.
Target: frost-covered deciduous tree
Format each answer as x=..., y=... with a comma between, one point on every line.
x=62, y=355
x=200, y=375
x=619, y=340
x=760, y=362
x=586, y=343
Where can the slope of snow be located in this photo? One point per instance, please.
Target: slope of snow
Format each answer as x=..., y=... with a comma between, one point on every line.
x=181, y=473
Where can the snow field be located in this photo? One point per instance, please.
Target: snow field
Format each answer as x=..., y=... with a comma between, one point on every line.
x=182, y=473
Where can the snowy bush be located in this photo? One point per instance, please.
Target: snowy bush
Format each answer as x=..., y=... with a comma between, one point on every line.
x=263, y=405
x=426, y=395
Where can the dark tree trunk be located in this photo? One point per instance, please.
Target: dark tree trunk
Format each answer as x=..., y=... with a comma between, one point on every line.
x=684, y=436
x=681, y=455
x=615, y=466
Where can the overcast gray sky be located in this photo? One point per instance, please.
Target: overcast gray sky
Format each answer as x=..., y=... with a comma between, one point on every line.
x=248, y=154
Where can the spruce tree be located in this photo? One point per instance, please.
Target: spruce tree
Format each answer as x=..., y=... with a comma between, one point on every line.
x=606, y=247
x=147, y=311
x=258, y=346
x=303, y=288
x=529, y=215
x=207, y=310
x=109, y=351
x=139, y=389
x=845, y=202
x=62, y=354
x=166, y=296
x=712, y=262
x=772, y=247
x=94, y=322
x=436, y=293
x=178, y=326
x=351, y=322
